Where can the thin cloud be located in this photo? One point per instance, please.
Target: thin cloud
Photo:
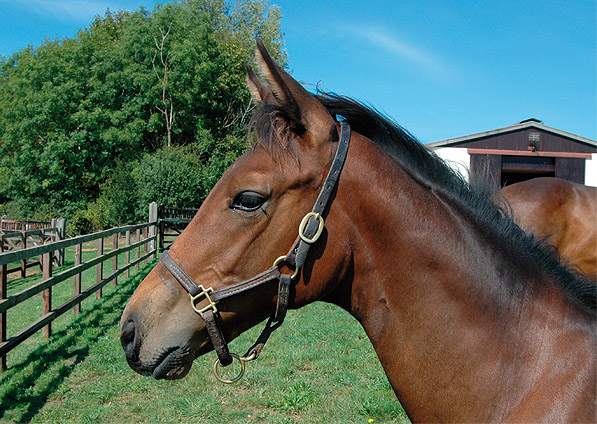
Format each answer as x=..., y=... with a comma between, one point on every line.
x=399, y=48
x=68, y=10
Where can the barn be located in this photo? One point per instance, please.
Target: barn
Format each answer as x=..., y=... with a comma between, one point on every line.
x=523, y=151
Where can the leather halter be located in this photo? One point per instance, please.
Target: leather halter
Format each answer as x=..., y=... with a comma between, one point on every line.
x=310, y=229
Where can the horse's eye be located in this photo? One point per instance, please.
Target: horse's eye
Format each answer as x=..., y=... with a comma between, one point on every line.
x=247, y=201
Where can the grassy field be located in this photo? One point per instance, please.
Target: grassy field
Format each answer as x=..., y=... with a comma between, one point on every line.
x=311, y=371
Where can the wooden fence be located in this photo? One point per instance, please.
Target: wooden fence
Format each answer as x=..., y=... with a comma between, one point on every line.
x=171, y=222
x=145, y=237
x=22, y=225
x=18, y=234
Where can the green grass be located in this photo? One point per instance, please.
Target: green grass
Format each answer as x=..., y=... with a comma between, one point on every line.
x=23, y=314
x=312, y=370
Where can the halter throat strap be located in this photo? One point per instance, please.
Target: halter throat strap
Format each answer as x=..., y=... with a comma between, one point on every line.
x=310, y=229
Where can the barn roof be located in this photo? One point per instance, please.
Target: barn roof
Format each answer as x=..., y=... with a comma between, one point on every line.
x=523, y=125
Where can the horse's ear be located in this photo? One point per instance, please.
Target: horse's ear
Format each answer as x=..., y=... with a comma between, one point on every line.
x=259, y=93
x=307, y=117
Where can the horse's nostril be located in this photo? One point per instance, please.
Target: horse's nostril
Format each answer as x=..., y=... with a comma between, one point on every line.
x=128, y=338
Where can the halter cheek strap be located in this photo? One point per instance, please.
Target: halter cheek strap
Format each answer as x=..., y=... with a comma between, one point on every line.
x=310, y=229
x=312, y=224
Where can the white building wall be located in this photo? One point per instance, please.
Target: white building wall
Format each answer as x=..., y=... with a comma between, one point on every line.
x=591, y=171
x=457, y=157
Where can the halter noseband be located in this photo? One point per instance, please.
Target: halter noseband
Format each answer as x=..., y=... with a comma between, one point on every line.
x=310, y=229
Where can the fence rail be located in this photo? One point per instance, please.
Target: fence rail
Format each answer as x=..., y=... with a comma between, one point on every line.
x=171, y=222
x=20, y=234
x=145, y=235
x=21, y=239
x=22, y=225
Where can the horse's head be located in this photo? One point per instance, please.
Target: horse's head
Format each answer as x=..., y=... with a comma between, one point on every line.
x=250, y=218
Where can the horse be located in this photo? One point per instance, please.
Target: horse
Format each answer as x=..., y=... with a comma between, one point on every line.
x=471, y=319
x=562, y=213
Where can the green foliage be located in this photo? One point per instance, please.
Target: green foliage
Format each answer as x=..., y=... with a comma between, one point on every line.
x=216, y=156
x=114, y=203
x=169, y=176
x=84, y=220
x=113, y=207
x=73, y=111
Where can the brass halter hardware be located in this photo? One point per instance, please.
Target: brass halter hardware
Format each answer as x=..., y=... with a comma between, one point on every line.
x=304, y=223
x=294, y=259
x=196, y=299
x=283, y=258
x=241, y=359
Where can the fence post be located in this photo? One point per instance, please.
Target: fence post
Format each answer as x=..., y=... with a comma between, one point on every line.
x=3, y=295
x=155, y=250
x=53, y=237
x=100, y=266
x=114, y=258
x=78, y=252
x=47, y=294
x=145, y=232
x=161, y=229
x=24, y=261
x=138, y=249
x=127, y=255
x=153, y=219
x=60, y=235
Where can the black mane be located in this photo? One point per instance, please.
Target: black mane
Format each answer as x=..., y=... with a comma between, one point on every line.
x=475, y=200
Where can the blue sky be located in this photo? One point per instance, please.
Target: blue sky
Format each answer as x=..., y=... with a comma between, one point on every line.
x=441, y=69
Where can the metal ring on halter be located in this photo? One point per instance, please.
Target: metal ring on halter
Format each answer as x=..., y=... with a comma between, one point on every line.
x=242, y=361
x=283, y=258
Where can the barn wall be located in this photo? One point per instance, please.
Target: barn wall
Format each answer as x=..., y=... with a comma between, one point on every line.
x=571, y=169
x=461, y=161
x=519, y=140
x=487, y=167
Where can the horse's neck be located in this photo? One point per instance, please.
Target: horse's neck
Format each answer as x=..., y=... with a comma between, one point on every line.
x=432, y=299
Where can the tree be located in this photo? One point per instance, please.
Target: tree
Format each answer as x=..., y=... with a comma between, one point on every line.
x=73, y=110
x=167, y=109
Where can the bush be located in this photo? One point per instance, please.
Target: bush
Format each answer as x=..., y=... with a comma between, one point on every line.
x=172, y=176
x=116, y=204
x=16, y=209
x=79, y=223
x=217, y=155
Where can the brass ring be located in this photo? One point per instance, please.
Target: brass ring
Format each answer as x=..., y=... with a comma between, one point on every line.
x=283, y=258
x=235, y=379
x=280, y=259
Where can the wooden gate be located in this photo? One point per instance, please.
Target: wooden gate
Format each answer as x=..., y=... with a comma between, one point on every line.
x=171, y=222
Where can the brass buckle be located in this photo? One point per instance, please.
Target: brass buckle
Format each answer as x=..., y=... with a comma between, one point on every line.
x=204, y=292
x=304, y=224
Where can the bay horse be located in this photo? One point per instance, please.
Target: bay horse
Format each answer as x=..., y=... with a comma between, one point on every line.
x=470, y=318
x=562, y=213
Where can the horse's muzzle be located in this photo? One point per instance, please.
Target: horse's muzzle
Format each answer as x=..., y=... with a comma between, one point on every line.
x=129, y=339
x=169, y=363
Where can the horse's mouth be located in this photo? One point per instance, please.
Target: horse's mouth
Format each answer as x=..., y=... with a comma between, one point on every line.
x=173, y=364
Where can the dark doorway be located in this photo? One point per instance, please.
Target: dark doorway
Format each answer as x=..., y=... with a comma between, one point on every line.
x=513, y=177
x=521, y=168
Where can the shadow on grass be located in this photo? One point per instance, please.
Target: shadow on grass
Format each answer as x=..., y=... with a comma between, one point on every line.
x=26, y=386
x=17, y=283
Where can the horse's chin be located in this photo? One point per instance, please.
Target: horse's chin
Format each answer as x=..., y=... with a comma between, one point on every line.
x=173, y=364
